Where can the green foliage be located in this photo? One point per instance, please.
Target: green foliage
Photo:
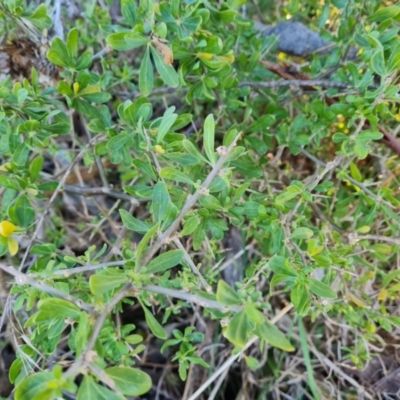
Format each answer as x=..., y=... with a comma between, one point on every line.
x=185, y=150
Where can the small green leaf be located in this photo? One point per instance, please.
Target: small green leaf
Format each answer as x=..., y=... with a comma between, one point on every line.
x=190, y=226
x=385, y=13
x=301, y=234
x=103, y=283
x=236, y=332
x=226, y=295
x=167, y=72
x=252, y=363
x=117, y=142
x=72, y=43
x=133, y=223
x=128, y=9
x=40, y=18
x=154, y=325
x=33, y=386
x=175, y=175
x=60, y=51
x=143, y=244
x=209, y=137
x=165, y=261
x=35, y=168
x=378, y=62
x=272, y=335
x=126, y=41
x=59, y=308
x=90, y=390
x=160, y=201
x=166, y=122
x=370, y=135
x=134, y=40
x=146, y=75
x=300, y=298
x=192, y=149
x=130, y=381
x=321, y=289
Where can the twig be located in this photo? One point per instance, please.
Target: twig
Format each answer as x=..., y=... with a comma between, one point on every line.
x=102, y=52
x=298, y=83
x=100, y=191
x=190, y=202
x=23, y=279
x=192, y=298
x=91, y=267
x=193, y=267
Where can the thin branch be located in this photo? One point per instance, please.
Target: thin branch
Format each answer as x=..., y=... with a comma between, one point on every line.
x=190, y=202
x=100, y=191
x=193, y=267
x=298, y=83
x=91, y=267
x=192, y=298
x=23, y=279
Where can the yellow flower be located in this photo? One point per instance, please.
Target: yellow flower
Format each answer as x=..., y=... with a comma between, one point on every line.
x=158, y=149
x=7, y=228
x=12, y=246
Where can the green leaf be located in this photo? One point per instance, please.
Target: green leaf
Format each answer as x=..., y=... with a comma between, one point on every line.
x=236, y=331
x=175, y=175
x=166, y=122
x=21, y=154
x=130, y=381
x=35, y=168
x=134, y=40
x=59, y=308
x=72, y=43
x=210, y=202
x=226, y=295
x=370, y=135
x=103, y=283
x=190, y=226
x=300, y=298
x=60, y=51
x=301, y=234
x=165, y=261
x=272, y=335
x=40, y=19
x=321, y=289
x=279, y=266
x=143, y=244
x=84, y=61
x=160, y=201
x=128, y=9
x=209, y=137
x=90, y=390
x=146, y=75
x=192, y=149
x=117, y=142
x=378, y=63
x=133, y=223
x=167, y=72
x=360, y=149
x=385, y=13
x=154, y=325
x=33, y=386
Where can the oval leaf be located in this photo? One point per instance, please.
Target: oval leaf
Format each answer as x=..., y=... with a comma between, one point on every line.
x=165, y=261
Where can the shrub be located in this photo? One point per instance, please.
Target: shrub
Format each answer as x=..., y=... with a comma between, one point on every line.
x=147, y=146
